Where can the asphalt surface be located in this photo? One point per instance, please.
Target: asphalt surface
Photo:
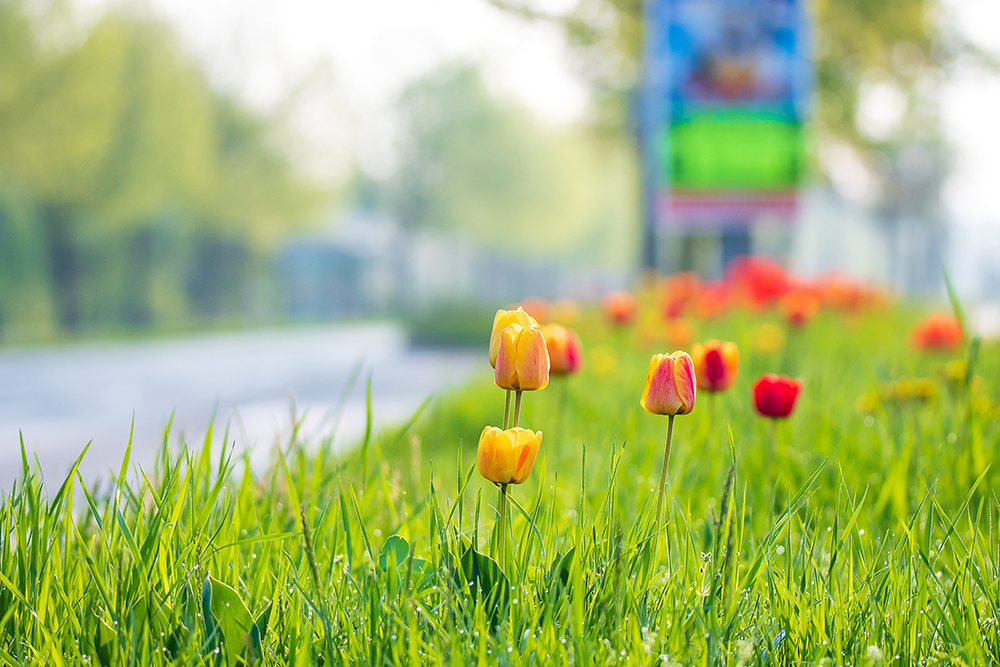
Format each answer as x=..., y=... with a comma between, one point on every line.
x=59, y=398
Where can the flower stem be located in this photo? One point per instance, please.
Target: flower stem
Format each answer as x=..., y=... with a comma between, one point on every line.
x=502, y=528
x=506, y=410
x=663, y=472
x=771, y=438
x=517, y=408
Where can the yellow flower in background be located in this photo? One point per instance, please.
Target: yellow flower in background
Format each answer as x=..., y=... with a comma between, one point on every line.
x=502, y=320
x=603, y=360
x=955, y=370
x=768, y=337
x=507, y=457
x=522, y=362
x=867, y=403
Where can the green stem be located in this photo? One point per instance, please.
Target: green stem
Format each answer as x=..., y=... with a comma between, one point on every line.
x=712, y=398
x=771, y=438
x=517, y=408
x=506, y=410
x=663, y=471
x=502, y=527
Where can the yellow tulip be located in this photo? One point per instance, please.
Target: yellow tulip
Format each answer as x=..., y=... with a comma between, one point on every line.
x=507, y=457
x=522, y=359
x=502, y=320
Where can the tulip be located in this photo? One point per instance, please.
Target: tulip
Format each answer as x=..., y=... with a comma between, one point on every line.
x=670, y=390
x=501, y=321
x=799, y=306
x=937, y=332
x=565, y=350
x=507, y=457
x=715, y=364
x=620, y=307
x=774, y=395
x=670, y=385
x=522, y=359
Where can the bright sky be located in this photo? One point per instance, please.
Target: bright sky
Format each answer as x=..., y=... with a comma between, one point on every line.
x=358, y=55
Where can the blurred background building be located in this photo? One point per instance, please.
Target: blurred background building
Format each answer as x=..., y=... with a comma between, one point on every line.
x=166, y=166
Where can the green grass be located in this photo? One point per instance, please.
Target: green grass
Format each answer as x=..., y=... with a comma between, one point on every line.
x=870, y=539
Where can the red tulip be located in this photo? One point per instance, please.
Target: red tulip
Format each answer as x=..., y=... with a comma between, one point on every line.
x=774, y=395
x=937, y=332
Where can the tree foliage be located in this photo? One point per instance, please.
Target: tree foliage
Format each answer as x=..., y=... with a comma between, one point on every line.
x=904, y=44
x=118, y=162
x=474, y=163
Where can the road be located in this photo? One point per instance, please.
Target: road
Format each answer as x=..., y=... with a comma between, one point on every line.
x=61, y=397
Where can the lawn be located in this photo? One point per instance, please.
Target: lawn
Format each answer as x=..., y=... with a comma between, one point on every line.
x=861, y=530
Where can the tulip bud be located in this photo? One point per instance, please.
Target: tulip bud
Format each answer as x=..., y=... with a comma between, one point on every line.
x=522, y=359
x=715, y=364
x=501, y=321
x=670, y=385
x=565, y=350
x=506, y=457
x=774, y=395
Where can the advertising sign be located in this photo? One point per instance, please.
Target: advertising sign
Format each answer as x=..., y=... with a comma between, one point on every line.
x=725, y=97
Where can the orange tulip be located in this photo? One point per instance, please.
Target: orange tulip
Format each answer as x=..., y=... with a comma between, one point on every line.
x=501, y=321
x=522, y=359
x=715, y=364
x=670, y=385
x=798, y=306
x=565, y=350
x=507, y=457
x=620, y=307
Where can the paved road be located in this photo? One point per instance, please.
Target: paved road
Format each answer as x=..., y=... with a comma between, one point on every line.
x=64, y=396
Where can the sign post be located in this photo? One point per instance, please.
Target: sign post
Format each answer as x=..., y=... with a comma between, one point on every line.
x=725, y=94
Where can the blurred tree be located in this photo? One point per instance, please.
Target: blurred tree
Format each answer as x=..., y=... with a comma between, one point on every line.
x=128, y=161
x=477, y=164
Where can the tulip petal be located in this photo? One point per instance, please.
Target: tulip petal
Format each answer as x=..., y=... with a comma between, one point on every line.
x=495, y=457
x=684, y=381
x=532, y=359
x=505, y=376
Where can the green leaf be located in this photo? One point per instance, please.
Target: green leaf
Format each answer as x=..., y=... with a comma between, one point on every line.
x=484, y=580
x=104, y=642
x=231, y=613
x=397, y=547
x=255, y=645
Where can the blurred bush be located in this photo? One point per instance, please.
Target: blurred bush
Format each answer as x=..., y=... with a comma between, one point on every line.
x=131, y=192
x=454, y=324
